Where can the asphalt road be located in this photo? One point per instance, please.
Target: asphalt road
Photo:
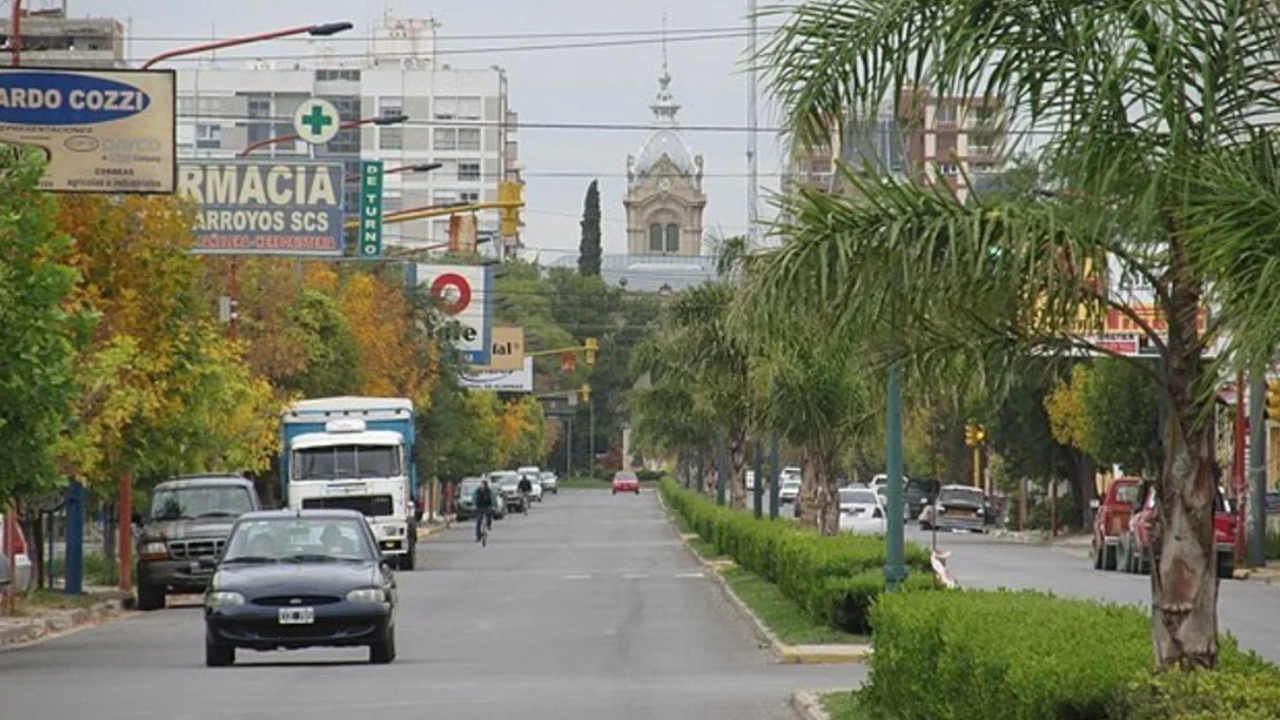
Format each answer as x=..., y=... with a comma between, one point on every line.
x=1250, y=610
x=589, y=607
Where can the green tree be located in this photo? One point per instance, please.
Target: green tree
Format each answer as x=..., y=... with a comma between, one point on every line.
x=1156, y=175
x=332, y=354
x=37, y=332
x=589, y=247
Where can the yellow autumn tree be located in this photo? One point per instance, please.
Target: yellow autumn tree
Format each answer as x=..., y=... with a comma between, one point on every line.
x=521, y=439
x=396, y=357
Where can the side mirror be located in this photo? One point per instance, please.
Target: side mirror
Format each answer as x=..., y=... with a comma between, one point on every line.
x=207, y=563
x=1095, y=503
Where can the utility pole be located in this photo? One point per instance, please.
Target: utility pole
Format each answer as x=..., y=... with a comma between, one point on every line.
x=721, y=469
x=895, y=569
x=1238, y=474
x=774, y=472
x=758, y=486
x=1257, y=504
x=753, y=121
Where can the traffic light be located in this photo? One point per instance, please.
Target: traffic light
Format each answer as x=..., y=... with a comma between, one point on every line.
x=585, y=392
x=1273, y=400
x=510, y=192
x=590, y=347
x=974, y=435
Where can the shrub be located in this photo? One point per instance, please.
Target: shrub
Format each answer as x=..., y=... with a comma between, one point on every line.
x=1032, y=656
x=835, y=579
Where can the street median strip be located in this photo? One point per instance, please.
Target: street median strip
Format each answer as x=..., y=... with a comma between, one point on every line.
x=21, y=631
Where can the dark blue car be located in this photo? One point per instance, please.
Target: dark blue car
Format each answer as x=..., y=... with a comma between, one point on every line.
x=295, y=579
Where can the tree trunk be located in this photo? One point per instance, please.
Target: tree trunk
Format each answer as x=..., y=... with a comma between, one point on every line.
x=738, y=470
x=828, y=491
x=811, y=476
x=1184, y=585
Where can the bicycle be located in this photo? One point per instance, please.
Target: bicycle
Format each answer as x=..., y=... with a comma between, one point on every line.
x=485, y=526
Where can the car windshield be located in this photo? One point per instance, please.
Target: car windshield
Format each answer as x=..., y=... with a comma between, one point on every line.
x=1127, y=493
x=346, y=462
x=299, y=539
x=857, y=496
x=467, y=488
x=504, y=478
x=791, y=482
x=187, y=503
x=625, y=476
x=969, y=495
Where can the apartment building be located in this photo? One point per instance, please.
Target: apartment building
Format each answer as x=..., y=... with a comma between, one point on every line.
x=49, y=38
x=932, y=139
x=458, y=117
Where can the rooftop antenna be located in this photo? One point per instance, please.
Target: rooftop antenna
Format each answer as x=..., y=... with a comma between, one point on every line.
x=664, y=41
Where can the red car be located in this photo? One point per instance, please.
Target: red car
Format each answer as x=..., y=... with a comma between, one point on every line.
x=626, y=481
x=1135, y=545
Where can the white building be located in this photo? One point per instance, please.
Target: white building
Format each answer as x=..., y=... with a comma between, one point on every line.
x=457, y=117
x=49, y=38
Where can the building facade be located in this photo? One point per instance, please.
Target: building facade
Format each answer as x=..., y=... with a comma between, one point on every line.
x=665, y=199
x=958, y=141
x=47, y=37
x=459, y=118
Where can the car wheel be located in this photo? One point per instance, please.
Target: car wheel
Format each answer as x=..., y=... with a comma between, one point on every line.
x=1226, y=565
x=384, y=651
x=218, y=654
x=150, y=597
x=1097, y=553
x=615, y=492
x=637, y=491
x=1109, y=559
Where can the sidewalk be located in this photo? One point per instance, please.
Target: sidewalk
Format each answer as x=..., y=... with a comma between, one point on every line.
x=37, y=622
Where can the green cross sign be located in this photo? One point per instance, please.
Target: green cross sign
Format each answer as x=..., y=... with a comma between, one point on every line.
x=317, y=120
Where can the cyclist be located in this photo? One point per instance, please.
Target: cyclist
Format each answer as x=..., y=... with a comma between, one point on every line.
x=484, y=502
x=526, y=490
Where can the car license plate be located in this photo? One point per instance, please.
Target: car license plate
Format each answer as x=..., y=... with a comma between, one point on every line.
x=297, y=616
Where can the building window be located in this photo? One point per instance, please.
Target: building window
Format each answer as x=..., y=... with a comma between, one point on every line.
x=388, y=106
x=259, y=108
x=470, y=196
x=445, y=139
x=655, y=238
x=208, y=137
x=391, y=204
x=390, y=138
x=457, y=108
x=673, y=238
x=469, y=138
x=469, y=171
x=259, y=132
x=946, y=112
x=948, y=169
x=440, y=230
x=331, y=75
x=443, y=197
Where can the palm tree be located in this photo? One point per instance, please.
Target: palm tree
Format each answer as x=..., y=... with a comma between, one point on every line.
x=698, y=368
x=1151, y=114
x=808, y=388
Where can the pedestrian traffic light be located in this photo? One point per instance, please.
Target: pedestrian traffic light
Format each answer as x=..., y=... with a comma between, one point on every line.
x=1273, y=400
x=590, y=347
x=512, y=193
x=585, y=392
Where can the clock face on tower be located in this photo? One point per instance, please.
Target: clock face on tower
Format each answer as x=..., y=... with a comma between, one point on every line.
x=664, y=183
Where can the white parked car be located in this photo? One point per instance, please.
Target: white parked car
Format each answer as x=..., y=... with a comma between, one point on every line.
x=861, y=511
x=789, y=489
x=548, y=480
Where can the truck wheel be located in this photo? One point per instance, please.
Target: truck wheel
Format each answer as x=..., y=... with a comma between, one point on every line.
x=410, y=558
x=1226, y=565
x=1097, y=553
x=1109, y=557
x=150, y=597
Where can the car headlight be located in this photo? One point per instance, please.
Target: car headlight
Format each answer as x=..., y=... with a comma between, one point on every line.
x=367, y=595
x=153, y=550
x=223, y=598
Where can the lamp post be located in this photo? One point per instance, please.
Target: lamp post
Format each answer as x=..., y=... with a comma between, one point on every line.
x=322, y=30
x=895, y=570
x=419, y=168
x=15, y=32
x=381, y=121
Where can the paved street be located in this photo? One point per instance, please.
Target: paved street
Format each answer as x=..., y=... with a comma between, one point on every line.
x=1250, y=610
x=588, y=607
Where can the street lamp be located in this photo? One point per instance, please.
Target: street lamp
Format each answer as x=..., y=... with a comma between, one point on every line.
x=381, y=120
x=422, y=167
x=322, y=30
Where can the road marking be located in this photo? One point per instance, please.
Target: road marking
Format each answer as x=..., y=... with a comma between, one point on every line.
x=635, y=576
x=577, y=577
x=690, y=575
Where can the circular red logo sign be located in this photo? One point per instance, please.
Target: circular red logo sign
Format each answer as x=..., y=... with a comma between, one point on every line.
x=451, y=292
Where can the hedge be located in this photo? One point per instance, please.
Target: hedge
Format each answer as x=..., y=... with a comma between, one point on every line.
x=1031, y=656
x=835, y=579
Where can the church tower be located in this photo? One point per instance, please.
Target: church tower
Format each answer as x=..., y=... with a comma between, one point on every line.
x=664, y=200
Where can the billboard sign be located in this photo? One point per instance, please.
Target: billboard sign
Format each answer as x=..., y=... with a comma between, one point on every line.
x=102, y=131
x=265, y=207
x=500, y=380
x=463, y=295
x=508, y=348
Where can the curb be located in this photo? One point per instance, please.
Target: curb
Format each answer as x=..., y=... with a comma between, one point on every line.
x=427, y=530
x=38, y=629
x=783, y=653
x=808, y=705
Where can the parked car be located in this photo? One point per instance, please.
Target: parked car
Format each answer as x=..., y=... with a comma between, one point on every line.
x=958, y=507
x=861, y=511
x=917, y=494
x=626, y=481
x=789, y=489
x=300, y=578
x=548, y=480
x=190, y=518
x=464, y=508
x=18, y=581
x=1135, y=547
x=507, y=483
x=1112, y=520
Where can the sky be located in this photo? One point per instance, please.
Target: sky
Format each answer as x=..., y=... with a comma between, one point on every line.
x=604, y=85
